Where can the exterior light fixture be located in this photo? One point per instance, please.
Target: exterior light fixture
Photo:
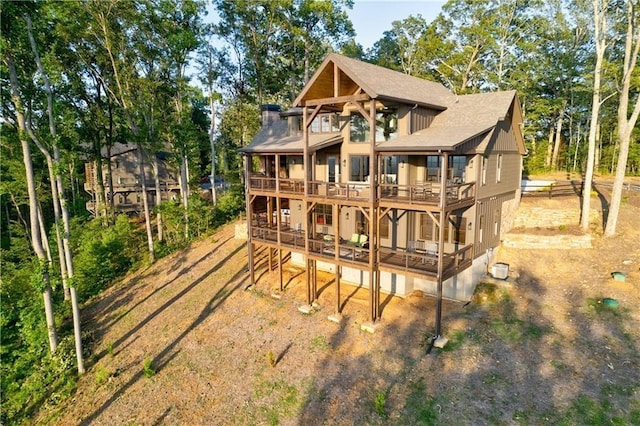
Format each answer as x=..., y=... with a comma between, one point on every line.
x=469, y=226
x=346, y=216
x=344, y=162
x=299, y=207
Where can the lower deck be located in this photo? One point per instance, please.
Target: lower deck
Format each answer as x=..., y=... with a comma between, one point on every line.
x=413, y=262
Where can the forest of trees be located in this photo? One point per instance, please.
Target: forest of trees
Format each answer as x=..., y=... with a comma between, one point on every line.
x=189, y=76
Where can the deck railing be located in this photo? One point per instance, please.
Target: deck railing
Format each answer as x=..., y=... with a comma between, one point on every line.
x=418, y=192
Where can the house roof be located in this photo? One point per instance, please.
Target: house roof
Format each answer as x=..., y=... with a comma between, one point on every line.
x=470, y=116
x=273, y=138
x=461, y=118
x=377, y=82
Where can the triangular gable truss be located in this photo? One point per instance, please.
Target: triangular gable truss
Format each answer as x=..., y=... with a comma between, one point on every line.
x=333, y=86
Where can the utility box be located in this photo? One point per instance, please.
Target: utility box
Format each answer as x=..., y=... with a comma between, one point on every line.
x=500, y=271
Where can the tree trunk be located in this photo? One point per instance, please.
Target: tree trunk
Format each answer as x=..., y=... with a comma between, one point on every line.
x=56, y=213
x=625, y=126
x=156, y=178
x=547, y=159
x=600, y=23
x=556, y=145
x=33, y=206
x=43, y=235
x=145, y=203
x=212, y=140
x=60, y=206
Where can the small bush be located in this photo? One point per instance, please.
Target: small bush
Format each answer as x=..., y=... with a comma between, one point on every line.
x=104, y=254
x=102, y=375
x=379, y=403
x=271, y=359
x=147, y=368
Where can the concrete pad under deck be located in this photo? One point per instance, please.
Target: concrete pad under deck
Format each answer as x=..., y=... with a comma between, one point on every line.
x=337, y=318
x=370, y=327
x=305, y=309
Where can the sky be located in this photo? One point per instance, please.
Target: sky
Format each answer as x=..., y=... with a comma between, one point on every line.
x=371, y=18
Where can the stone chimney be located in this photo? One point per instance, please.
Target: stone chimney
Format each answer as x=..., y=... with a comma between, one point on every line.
x=270, y=114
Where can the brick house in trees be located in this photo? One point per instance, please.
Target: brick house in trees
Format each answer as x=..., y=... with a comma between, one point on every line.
x=389, y=181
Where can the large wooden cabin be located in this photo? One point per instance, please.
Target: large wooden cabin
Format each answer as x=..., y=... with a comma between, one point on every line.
x=389, y=181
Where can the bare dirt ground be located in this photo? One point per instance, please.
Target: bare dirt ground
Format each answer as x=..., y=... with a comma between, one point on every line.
x=542, y=349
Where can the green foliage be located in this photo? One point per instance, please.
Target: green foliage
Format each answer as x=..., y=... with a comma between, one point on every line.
x=148, y=368
x=420, y=409
x=203, y=218
x=102, y=375
x=379, y=404
x=271, y=359
x=42, y=381
x=104, y=254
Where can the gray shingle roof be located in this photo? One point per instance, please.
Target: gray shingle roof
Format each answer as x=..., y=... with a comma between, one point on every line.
x=383, y=83
x=274, y=139
x=468, y=117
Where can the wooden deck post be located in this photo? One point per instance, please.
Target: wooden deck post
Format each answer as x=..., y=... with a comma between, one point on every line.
x=443, y=204
x=247, y=172
x=279, y=230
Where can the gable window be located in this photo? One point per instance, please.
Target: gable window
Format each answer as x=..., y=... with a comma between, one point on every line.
x=386, y=126
x=326, y=123
x=499, y=170
x=359, y=168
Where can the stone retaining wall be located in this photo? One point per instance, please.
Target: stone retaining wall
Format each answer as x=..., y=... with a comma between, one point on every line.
x=531, y=241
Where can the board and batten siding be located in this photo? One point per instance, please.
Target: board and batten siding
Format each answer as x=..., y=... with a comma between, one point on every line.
x=421, y=118
x=489, y=222
x=501, y=150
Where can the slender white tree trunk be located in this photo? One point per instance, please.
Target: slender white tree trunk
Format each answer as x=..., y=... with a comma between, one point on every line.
x=60, y=206
x=33, y=206
x=145, y=203
x=625, y=126
x=156, y=177
x=600, y=22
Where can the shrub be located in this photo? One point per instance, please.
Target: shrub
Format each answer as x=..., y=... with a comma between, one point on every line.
x=104, y=254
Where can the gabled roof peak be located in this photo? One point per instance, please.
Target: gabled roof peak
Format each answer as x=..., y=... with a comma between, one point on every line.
x=377, y=82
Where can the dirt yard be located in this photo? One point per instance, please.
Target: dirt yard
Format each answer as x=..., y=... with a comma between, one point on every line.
x=184, y=342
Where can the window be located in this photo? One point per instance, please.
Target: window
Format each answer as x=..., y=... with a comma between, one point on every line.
x=428, y=228
x=457, y=164
x=459, y=229
x=496, y=222
x=433, y=167
x=499, y=171
x=358, y=128
x=383, y=232
x=386, y=126
x=454, y=228
x=480, y=229
x=362, y=224
x=390, y=169
x=326, y=123
x=324, y=214
x=359, y=170
x=484, y=170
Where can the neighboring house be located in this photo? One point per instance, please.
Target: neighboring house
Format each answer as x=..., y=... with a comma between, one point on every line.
x=389, y=181
x=127, y=190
